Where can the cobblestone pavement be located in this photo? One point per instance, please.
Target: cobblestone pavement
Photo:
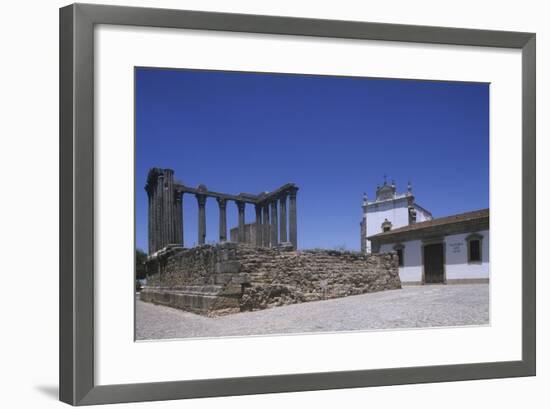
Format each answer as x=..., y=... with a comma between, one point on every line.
x=411, y=307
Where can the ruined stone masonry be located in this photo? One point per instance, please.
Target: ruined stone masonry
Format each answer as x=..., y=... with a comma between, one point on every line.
x=231, y=277
x=260, y=269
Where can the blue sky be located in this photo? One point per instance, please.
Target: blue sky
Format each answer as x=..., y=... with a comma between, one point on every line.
x=335, y=137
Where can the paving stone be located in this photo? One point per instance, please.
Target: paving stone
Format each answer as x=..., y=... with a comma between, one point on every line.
x=410, y=307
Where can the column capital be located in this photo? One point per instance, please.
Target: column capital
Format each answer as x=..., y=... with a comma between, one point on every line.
x=240, y=204
x=292, y=191
x=222, y=202
x=201, y=199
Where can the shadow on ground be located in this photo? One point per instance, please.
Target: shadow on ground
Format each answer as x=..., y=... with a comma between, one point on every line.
x=51, y=391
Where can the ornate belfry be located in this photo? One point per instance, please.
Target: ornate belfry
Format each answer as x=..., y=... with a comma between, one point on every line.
x=165, y=212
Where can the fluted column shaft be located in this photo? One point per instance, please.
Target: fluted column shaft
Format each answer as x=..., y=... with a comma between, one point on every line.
x=223, y=219
x=258, y=209
x=293, y=222
x=265, y=225
x=274, y=224
x=168, y=207
x=150, y=247
x=158, y=213
x=282, y=219
x=241, y=236
x=179, y=218
x=201, y=200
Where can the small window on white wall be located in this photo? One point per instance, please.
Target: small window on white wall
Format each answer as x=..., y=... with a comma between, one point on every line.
x=399, y=248
x=474, y=247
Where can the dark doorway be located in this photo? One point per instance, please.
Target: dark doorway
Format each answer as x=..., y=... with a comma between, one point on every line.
x=433, y=263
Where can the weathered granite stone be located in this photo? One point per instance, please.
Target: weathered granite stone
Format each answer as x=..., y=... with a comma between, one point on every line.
x=230, y=277
x=228, y=266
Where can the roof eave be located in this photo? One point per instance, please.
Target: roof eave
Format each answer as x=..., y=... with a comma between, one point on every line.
x=446, y=229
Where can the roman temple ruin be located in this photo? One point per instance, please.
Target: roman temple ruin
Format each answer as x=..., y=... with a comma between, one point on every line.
x=260, y=267
x=165, y=212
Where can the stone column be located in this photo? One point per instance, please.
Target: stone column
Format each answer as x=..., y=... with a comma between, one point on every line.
x=168, y=208
x=159, y=238
x=164, y=209
x=258, y=209
x=274, y=224
x=150, y=220
x=179, y=218
x=241, y=235
x=223, y=219
x=265, y=225
x=201, y=200
x=293, y=223
x=282, y=219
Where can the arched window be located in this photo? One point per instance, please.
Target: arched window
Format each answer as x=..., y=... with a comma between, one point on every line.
x=473, y=242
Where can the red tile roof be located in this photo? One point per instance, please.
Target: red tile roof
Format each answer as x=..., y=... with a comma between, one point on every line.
x=440, y=221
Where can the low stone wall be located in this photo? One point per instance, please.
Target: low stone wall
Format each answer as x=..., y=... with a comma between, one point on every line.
x=230, y=277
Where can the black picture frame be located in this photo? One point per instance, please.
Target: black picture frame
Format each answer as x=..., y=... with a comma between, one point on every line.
x=76, y=311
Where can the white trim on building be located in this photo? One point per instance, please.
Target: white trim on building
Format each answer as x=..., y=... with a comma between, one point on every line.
x=399, y=209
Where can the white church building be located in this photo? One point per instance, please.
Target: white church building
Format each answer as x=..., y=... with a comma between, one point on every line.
x=447, y=250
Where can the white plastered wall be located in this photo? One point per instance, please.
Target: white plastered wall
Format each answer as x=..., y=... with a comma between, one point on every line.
x=456, y=258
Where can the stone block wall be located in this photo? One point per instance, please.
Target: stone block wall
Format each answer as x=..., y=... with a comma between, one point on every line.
x=230, y=277
x=249, y=234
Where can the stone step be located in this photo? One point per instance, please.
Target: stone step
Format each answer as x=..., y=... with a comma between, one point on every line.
x=190, y=289
x=206, y=300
